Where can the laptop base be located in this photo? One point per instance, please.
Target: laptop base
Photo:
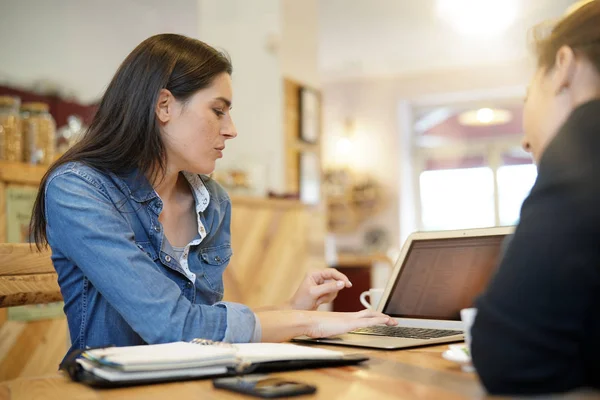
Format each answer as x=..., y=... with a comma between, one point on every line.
x=378, y=342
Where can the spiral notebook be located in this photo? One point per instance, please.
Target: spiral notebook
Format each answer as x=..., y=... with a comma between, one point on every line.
x=133, y=365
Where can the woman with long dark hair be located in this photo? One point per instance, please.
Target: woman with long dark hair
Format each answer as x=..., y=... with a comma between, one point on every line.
x=140, y=235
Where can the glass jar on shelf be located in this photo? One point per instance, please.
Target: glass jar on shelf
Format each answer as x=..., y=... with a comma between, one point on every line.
x=39, y=133
x=11, y=139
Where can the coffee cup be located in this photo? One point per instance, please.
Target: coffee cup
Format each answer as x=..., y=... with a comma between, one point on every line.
x=374, y=295
x=467, y=316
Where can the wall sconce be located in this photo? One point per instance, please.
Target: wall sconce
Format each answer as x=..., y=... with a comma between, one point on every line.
x=344, y=145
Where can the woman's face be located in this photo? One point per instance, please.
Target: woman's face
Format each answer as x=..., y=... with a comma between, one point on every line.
x=544, y=112
x=194, y=132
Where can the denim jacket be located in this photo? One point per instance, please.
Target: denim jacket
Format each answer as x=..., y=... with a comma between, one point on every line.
x=121, y=282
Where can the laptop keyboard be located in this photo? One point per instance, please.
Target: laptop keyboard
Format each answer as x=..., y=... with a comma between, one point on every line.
x=403, y=332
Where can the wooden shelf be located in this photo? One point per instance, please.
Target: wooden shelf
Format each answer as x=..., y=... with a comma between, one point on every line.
x=21, y=173
x=262, y=202
x=300, y=145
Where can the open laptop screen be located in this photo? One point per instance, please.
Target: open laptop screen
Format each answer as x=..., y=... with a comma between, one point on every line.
x=439, y=277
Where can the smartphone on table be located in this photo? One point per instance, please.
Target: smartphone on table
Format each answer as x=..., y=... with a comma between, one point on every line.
x=264, y=386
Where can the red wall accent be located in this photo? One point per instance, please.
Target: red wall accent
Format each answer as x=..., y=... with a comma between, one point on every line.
x=59, y=108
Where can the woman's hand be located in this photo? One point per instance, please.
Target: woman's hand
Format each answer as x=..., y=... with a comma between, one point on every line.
x=282, y=325
x=319, y=287
x=324, y=324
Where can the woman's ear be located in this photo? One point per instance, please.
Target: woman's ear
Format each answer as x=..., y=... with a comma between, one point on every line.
x=164, y=106
x=564, y=69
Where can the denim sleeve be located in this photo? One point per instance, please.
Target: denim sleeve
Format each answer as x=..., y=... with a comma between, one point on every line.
x=87, y=228
x=257, y=336
x=242, y=324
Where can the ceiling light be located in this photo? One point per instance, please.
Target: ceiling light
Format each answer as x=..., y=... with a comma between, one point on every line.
x=478, y=16
x=484, y=116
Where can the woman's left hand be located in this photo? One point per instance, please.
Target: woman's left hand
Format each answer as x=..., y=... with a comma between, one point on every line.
x=319, y=287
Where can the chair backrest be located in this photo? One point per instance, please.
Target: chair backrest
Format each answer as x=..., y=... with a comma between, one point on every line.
x=26, y=276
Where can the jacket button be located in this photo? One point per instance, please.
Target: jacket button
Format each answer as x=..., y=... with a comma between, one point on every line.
x=189, y=284
x=157, y=228
x=218, y=259
x=168, y=258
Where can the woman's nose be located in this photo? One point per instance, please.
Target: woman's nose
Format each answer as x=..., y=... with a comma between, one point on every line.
x=526, y=145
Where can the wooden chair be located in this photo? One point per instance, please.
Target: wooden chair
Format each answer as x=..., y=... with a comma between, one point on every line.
x=29, y=348
x=26, y=276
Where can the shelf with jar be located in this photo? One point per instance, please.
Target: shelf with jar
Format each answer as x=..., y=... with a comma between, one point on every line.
x=351, y=199
x=29, y=142
x=27, y=132
x=41, y=112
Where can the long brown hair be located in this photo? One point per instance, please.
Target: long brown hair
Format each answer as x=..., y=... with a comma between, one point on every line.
x=124, y=133
x=579, y=29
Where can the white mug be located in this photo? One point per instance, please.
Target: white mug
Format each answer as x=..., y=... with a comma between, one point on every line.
x=374, y=298
x=467, y=316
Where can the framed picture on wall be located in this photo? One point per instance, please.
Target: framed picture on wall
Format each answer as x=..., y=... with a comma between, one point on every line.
x=309, y=115
x=310, y=177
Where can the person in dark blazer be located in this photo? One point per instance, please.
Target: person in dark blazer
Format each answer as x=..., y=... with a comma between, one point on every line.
x=538, y=325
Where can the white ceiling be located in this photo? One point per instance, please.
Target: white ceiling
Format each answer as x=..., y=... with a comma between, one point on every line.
x=365, y=38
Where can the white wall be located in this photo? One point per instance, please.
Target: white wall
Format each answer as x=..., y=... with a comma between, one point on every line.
x=361, y=38
x=77, y=45
x=244, y=29
x=299, y=41
x=374, y=106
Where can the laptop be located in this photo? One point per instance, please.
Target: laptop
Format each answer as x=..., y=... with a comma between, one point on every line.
x=436, y=275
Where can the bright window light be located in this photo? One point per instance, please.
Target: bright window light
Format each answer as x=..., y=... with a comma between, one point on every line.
x=457, y=198
x=514, y=185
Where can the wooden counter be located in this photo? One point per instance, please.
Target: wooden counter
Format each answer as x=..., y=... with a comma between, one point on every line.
x=275, y=242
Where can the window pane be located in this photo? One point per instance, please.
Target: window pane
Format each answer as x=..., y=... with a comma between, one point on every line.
x=514, y=185
x=457, y=198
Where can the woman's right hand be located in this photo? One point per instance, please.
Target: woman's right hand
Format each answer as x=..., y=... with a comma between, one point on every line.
x=283, y=325
x=324, y=324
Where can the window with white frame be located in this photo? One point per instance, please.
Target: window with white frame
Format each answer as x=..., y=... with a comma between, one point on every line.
x=486, y=187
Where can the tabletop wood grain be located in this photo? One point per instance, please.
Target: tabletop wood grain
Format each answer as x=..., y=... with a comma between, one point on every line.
x=419, y=373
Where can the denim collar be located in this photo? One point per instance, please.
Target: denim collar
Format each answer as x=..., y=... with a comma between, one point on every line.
x=138, y=187
x=140, y=190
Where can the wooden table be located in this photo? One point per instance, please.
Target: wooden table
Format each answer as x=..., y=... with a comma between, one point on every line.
x=419, y=373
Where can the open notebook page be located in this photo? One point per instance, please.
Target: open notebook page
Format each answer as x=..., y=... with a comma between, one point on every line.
x=259, y=352
x=162, y=356
x=187, y=355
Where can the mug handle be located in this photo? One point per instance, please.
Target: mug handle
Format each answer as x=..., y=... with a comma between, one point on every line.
x=363, y=299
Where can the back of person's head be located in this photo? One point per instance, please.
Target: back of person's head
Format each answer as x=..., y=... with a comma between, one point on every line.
x=579, y=29
x=124, y=133
x=567, y=76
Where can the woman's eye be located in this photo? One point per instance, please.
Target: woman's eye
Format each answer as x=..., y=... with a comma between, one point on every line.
x=218, y=112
